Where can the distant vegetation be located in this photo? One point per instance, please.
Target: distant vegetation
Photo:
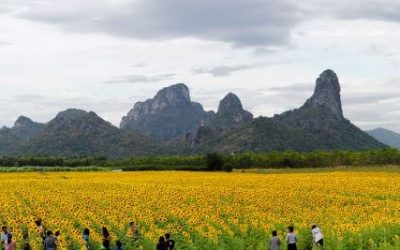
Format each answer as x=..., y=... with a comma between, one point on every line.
x=214, y=161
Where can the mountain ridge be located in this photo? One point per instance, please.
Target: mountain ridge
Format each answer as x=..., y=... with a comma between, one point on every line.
x=170, y=123
x=386, y=136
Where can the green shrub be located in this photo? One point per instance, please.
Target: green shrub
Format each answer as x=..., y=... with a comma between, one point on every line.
x=215, y=162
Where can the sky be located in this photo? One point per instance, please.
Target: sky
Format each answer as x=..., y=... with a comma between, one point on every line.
x=105, y=55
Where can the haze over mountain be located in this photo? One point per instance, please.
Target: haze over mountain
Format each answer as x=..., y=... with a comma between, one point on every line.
x=170, y=123
x=386, y=136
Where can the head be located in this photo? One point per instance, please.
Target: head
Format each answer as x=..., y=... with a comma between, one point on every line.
x=38, y=222
x=4, y=229
x=161, y=240
x=118, y=243
x=313, y=226
x=131, y=223
x=86, y=231
x=167, y=236
x=49, y=233
x=57, y=233
x=290, y=229
x=274, y=233
x=105, y=230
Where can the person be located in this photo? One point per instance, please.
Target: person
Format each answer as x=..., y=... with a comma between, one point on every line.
x=291, y=239
x=4, y=237
x=26, y=245
x=50, y=243
x=275, y=242
x=86, y=238
x=10, y=244
x=161, y=244
x=41, y=231
x=106, y=239
x=10, y=230
x=57, y=234
x=134, y=230
x=170, y=243
x=317, y=235
x=118, y=245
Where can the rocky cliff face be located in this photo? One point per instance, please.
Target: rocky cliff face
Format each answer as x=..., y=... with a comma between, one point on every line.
x=25, y=128
x=176, y=95
x=230, y=115
x=317, y=125
x=327, y=94
x=169, y=115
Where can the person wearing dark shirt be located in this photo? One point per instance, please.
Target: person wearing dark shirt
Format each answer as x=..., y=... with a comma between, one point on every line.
x=118, y=245
x=86, y=238
x=50, y=243
x=161, y=244
x=106, y=239
x=170, y=243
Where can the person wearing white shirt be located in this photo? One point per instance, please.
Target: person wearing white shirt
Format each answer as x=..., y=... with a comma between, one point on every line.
x=291, y=239
x=4, y=237
x=317, y=235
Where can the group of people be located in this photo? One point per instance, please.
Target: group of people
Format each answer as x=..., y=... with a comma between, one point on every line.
x=52, y=242
x=291, y=238
x=165, y=242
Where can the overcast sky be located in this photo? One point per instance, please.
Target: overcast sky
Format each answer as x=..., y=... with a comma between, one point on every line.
x=105, y=55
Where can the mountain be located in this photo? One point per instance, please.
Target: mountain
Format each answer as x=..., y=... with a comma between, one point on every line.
x=168, y=116
x=9, y=142
x=386, y=136
x=230, y=115
x=318, y=125
x=77, y=132
x=170, y=123
x=25, y=128
x=11, y=139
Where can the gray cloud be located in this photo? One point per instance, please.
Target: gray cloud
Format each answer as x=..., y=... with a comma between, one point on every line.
x=140, y=79
x=220, y=71
x=368, y=98
x=240, y=22
x=299, y=87
x=387, y=10
x=4, y=43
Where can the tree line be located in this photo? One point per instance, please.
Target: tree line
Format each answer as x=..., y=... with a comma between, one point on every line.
x=218, y=161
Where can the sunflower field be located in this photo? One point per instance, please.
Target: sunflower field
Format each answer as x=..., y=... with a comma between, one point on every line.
x=354, y=209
